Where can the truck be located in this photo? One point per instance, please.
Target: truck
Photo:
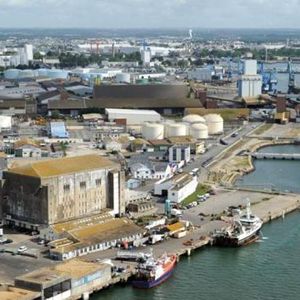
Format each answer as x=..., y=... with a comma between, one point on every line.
x=176, y=212
x=155, y=238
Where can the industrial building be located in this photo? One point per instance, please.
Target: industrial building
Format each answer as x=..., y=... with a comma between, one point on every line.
x=69, y=280
x=196, y=146
x=250, y=83
x=179, y=153
x=146, y=56
x=132, y=116
x=17, y=56
x=91, y=234
x=10, y=292
x=150, y=170
x=58, y=130
x=200, y=74
x=176, y=188
x=164, y=98
x=52, y=191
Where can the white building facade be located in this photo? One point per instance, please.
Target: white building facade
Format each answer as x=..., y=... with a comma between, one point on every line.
x=179, y=153
x=250, y=83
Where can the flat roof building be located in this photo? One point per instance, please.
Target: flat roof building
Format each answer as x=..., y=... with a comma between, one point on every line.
x=66, y=280
x=164, y=98
x=97, y=235
x=13, y=293
x=52, y=191
x=176, y=188
x=133, y=116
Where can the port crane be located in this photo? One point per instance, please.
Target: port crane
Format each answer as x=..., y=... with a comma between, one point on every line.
x=269, y=80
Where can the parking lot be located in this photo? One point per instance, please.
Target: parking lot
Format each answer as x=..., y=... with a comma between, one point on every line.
x=13, y=264
x=216, y=204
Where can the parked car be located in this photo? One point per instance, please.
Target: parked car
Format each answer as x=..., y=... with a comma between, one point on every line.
x=22, y=249
x=5, y=241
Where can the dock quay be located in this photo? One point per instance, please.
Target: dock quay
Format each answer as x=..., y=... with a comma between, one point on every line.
x=279, y=156
x=93, y=272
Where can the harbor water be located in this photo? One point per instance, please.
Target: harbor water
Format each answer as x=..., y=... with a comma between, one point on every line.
x=265, y=270
x=280, y=175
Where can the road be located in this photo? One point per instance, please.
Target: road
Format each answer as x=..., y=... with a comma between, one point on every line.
x=199, y=161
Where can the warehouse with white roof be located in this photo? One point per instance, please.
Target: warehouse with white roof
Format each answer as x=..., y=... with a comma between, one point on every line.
x=133, y=116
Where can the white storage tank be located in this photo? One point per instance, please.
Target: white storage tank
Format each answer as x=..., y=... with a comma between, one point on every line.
x=57, y=73
x=27, y=74
x=153, y=131
x=199, y=131
x=11, y=73
x=191, y=119
x=5, y=122
x=43, y=72
x=123, y=77
x=177, y=129
x=214, y=123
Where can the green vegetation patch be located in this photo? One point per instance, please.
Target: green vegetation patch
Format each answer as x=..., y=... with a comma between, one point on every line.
x=201, y=190
x=263, y=128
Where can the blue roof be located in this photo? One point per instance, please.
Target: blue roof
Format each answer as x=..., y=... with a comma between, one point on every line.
x=58, y=130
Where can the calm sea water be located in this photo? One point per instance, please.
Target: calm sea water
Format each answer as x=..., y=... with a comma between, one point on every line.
x=267, y=270
x=279, y=174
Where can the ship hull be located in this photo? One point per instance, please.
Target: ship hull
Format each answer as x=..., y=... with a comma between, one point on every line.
x=225, y=241
x=148, y=284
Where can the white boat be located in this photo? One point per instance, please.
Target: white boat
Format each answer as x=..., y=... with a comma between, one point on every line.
x=244, y=230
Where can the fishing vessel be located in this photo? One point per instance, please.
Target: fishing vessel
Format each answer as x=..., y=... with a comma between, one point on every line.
x=244, y=230
x=153, y=272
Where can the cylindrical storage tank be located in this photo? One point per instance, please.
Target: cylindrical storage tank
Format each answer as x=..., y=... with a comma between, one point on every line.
x=199, y=131
x=56, y=73
x=177, y=129
x=191, y=119
x=153, y=131
x=26, y=74
x=11, y=73
x=166, y=123
x=214, y=123
x=42, y=72
x=123, y=77
x=5, y=122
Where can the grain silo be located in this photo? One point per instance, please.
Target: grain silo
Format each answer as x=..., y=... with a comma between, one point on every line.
x=214, y=123
x=199, y=131
x=153, y=131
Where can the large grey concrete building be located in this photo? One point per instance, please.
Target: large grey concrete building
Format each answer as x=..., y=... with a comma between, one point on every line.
x=53, y=191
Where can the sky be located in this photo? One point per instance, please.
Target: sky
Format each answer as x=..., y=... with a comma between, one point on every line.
x=150, y=13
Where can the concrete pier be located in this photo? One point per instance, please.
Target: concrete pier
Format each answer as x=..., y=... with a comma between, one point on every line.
x=279, y=156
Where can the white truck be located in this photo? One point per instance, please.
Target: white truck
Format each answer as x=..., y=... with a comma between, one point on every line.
x=176, y=212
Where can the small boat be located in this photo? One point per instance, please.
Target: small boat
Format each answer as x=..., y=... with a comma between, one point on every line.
x=244, y=230
x=154, y=272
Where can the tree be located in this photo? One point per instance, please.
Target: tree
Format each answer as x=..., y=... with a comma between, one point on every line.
x=182, y=64
x=37, y=55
